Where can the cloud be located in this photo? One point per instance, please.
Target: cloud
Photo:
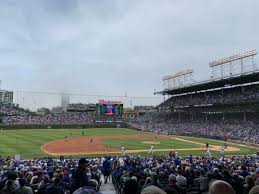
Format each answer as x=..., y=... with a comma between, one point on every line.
x=113, y=47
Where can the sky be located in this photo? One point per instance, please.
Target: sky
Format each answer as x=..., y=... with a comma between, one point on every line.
x=116, y=47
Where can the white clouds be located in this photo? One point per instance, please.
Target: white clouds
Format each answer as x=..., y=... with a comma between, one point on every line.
x=81, y=45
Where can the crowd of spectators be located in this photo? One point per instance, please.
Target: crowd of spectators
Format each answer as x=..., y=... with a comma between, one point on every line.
x=48, y=175
x=246, y=132
x=186, y=175
x=227, y=96
x=47, y=119
x=130, y=175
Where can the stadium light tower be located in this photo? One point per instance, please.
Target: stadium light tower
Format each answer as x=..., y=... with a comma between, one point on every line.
x=236, y=64
x=178, y=79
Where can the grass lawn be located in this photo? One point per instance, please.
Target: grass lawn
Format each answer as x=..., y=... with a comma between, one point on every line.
x=27, y=142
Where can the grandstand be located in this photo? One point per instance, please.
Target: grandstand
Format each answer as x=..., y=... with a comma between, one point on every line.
x=230, y=98
x=234, y=95
x=225, y=107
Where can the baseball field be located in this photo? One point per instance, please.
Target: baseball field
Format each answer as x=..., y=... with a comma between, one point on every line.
x=30, y=143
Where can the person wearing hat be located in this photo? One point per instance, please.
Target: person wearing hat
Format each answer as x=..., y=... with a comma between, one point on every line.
x=172, y=184
x=79, y=177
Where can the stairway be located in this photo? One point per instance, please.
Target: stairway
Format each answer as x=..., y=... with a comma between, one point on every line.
x=107, y=188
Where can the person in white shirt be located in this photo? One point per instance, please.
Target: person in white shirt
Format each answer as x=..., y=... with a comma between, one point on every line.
x=151, y=150
x=222, y=151
x=123, y=152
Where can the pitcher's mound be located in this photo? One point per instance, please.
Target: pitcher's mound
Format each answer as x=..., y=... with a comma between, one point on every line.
x=151, y=142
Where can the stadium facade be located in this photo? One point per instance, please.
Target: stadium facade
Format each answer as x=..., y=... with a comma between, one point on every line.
x=231, y=96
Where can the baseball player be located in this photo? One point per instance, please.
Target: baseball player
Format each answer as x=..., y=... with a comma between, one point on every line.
x=208, y=153
x=123, y=151
x=222, y=151
x=151, y=150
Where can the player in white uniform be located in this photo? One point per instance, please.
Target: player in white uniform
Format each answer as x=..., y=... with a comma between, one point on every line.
x=222, y=151
x=207, y=153
x=151, y=151
x=123, y=150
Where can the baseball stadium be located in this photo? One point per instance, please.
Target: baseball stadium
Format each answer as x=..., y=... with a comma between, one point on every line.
x=129, y=97
x=216, y=116
x=213, y=119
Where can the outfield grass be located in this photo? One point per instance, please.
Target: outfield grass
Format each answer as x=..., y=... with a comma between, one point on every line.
x=27, y=142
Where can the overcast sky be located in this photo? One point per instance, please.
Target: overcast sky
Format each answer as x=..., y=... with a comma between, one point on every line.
x=110, y=47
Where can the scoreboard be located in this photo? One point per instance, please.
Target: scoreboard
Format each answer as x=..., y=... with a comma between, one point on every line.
x=110, y=108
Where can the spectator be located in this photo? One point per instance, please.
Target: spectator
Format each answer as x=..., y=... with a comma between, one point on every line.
x=221, y=187
x=9, y=188
x=55, y=188
x=106, y=169
x=131, y=187
x=23, y=189
x=172, y=187
x=249, y=184
x=152, y=190
x=80, y=178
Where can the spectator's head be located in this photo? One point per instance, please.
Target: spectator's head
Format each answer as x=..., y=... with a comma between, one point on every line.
x=220, y=187
x=170, y=190
x=172, y=179
x=22, y=182
x=82, y=163
x=56, y=181
x=254, y=190
x=131, y=187
x=148, y=180
x=152, y=190
x=249, y=180
x=154, y=177
x=9, y=184
x=46, y=178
